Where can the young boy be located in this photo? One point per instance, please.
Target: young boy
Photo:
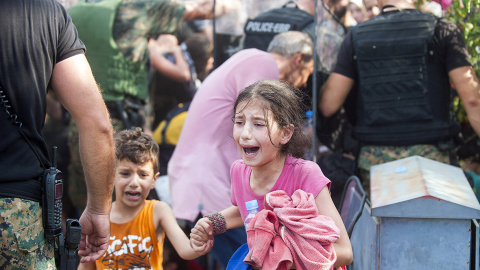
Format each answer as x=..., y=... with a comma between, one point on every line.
x=138, y=226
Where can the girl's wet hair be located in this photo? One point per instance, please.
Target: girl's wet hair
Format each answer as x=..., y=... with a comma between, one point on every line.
x=137, y=147
x=284, y=101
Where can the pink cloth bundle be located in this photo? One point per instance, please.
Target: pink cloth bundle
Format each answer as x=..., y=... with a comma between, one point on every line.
x=307, y=237
x=266, y=247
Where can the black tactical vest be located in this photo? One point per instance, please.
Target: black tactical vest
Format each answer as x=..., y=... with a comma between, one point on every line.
x=400, y=99
x=261, y=30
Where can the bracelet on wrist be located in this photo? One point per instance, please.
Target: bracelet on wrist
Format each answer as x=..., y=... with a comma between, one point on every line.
x=218, y=223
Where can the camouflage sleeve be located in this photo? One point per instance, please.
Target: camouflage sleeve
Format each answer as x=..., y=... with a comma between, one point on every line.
x=166, y=16
x=137, y=20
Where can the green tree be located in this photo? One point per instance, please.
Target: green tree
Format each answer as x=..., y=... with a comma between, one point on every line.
x=465, y=14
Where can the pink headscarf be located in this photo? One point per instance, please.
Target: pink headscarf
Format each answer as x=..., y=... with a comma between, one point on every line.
x=444, y=3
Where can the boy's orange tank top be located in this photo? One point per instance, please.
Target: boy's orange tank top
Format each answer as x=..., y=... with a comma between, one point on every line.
x=134, y=245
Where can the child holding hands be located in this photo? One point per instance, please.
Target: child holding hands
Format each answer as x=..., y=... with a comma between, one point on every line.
x=138, y=226
x=267, y=130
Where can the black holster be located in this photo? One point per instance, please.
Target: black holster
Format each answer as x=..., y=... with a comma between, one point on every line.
x=129, y=111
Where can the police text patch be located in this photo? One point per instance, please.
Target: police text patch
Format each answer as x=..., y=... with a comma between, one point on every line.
x=267, y=27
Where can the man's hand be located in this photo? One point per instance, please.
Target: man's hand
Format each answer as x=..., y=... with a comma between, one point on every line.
x=95, y=235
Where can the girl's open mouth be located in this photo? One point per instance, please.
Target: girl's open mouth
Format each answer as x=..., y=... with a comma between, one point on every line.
x=250, y=150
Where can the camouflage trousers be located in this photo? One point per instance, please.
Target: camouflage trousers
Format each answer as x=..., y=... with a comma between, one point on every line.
x=77, y=190
x=373, y=155
x=22, y=243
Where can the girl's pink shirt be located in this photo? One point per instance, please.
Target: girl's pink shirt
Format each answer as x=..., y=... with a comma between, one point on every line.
x=296, y=174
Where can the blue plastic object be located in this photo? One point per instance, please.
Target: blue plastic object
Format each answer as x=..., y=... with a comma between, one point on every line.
x=236, y=261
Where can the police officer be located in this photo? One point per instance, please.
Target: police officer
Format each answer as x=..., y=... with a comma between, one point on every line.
x=293, y=16
x=40, y=48
x=393, y=74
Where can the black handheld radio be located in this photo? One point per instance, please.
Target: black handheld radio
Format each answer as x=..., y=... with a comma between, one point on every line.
x=52, y=184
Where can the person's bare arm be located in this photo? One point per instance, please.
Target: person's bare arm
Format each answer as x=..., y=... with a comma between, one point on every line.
x=76, y=89
x=164, y=217
x=343, y=247
x=467, y=86
x=178, y=71
x=203, y=229
x=232, y=217
x=334, y=93
x=198, y=10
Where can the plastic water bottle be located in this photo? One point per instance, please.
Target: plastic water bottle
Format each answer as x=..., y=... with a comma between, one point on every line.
x=309, y=115
x=252, y=208
x=308, y=130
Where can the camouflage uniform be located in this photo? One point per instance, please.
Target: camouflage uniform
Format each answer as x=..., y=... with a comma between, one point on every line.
x=372, y=155
x=134, y=22
x=22, y=244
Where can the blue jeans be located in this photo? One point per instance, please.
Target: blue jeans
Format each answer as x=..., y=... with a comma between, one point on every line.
x=236, y=261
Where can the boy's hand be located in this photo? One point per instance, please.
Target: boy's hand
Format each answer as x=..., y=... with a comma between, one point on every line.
x=201, y=236
x=201, y=248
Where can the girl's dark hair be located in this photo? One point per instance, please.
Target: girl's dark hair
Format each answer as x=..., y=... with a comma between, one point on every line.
x=137, y=147
x=285, y=103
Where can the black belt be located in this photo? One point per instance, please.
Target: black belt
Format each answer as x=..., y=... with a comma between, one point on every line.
x=27, y=189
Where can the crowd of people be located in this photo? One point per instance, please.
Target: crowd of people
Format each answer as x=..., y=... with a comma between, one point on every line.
x=209, y=97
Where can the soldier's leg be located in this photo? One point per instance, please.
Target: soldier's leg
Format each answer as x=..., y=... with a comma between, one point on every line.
x=22, y=242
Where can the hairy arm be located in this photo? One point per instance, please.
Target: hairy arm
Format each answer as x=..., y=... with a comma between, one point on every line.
x=76, y=89
x=343, y=247
x=334, y=93
x=468, y=88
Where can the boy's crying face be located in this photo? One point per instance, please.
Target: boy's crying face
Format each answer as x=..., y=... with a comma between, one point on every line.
x=133, y=182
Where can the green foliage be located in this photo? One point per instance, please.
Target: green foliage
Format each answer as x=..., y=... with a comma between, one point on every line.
x=465, y=14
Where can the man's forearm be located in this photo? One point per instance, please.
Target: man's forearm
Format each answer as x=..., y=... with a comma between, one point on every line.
x=97, y=155
x=334, y=93
x=473, y=112
x=467, y=86
x=76, y=89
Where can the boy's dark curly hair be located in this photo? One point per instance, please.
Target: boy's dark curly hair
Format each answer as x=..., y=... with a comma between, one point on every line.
x=137, y=147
